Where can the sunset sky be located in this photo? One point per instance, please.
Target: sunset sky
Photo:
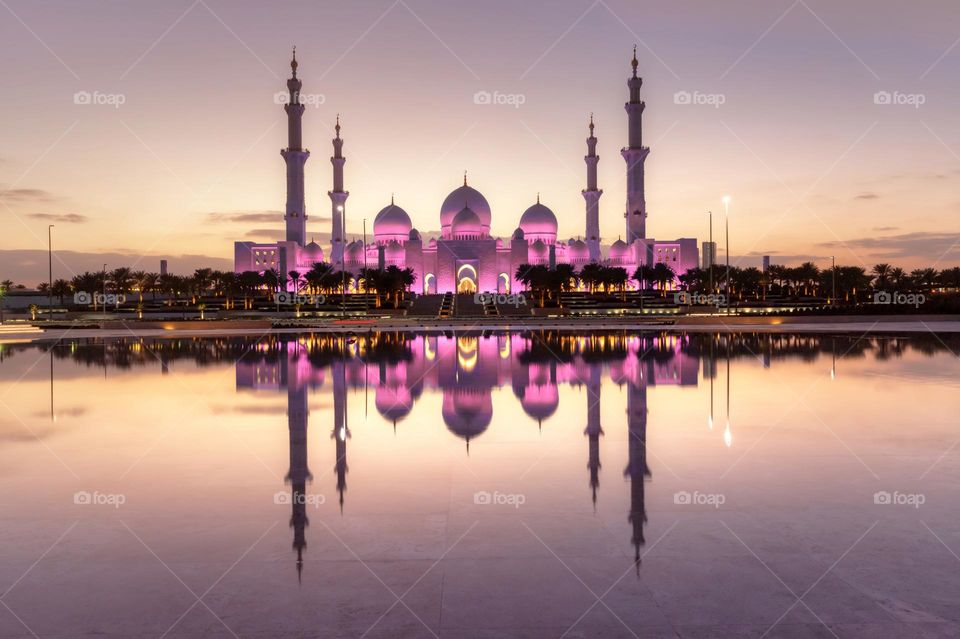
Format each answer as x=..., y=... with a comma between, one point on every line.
x=189, y=162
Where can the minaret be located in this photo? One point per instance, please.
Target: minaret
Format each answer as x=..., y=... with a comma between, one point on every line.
x=592, y=196
x=635, y=154
x=338, y=198
x=295, y=156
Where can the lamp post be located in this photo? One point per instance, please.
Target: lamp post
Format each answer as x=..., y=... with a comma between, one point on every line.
x=49, y=270
x=343, y=261
x=713, y=255
x=833, y=278
x=104, y=300
x=726, y=226
x=366, y=284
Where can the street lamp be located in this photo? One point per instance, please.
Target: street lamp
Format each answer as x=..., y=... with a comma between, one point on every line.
x=343, y=261
x=49, y=271
x=104, y=296
x=726, y=226
x=713, y=252
x=833, y=276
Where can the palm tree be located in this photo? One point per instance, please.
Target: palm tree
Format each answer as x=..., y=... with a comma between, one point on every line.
x=295, y=278
x=61, y=288
x=120, y=278
x=663, y=275
x=924, y=277
x=643, y=275
x=590, y=275
x=881, y=273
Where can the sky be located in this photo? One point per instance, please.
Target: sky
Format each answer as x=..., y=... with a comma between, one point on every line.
x=831, y=125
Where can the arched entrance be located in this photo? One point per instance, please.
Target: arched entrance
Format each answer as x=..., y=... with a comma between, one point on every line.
x=466, y=279
x=429, y=283
x=503, y=283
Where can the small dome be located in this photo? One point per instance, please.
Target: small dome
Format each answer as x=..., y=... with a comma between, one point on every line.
x=392, y=223
x=518, y=234
x=578, y=251
x=538, y=252
x=313, y=252
x=394, y=252
x=354, y=251
x=414, y=235
x=466, y=224
x=619, y=250
x=539, y=223
x=460, y=198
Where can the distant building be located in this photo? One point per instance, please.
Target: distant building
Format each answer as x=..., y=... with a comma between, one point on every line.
x=709, y=253
x=465, y=258
x=766, y=263
x=163, y=267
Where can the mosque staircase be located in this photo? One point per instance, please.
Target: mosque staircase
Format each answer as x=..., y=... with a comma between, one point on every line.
x=466, y=306
x=426, y=306
x=446, y=306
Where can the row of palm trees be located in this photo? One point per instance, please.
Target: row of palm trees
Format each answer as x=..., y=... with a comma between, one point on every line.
x=248, y=286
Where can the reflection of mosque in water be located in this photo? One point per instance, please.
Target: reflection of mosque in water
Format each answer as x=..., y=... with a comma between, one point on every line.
x=466, y=369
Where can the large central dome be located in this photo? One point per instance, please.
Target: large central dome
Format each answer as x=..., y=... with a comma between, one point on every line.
x=539, y=223
x=392, y=223
x=459, y=199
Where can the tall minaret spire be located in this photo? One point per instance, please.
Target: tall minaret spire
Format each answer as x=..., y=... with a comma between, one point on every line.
x=338, y=198
x=295, y=156
x=635, y=154
x=592, y=196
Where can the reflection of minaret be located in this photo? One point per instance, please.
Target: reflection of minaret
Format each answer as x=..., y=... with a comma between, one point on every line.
x=341, y=430
x=594, y=430
x=299, y=472
x=637, y=469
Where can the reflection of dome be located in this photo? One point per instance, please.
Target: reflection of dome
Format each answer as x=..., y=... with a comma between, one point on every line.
x=540, y=401
x=394, y=402
x=392, y=223
x=619, y=250
x=539, y=223
x=578, y=251
x=466, y=224
x=464, y=197
x=354, y=251
x=467, y=414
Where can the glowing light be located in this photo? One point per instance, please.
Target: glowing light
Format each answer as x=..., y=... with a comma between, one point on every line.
x=727, y=436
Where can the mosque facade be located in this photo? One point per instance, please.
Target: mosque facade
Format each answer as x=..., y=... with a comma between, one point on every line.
x=465, y=258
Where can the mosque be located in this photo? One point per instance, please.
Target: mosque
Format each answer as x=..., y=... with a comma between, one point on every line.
x=465, y=258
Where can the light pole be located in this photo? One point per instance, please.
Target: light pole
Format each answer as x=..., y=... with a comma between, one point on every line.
x=713, y=255
x=104, y=303
x=49, y=271
x=833, y=278
x=726, y=226
x=366, y=284
x=343, y=261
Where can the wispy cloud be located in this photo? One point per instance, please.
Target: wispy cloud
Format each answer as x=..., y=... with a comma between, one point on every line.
x=245, y=216
x=27, y=195
x=67, y=218
x=918, y=245
x=867, y=196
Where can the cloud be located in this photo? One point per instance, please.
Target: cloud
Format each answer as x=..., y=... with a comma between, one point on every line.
x=68, y=218
x=27, y=195
x=867, y=196
x=266, y=234
x=245, y=216
x=923, y=246
x=884, y=229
